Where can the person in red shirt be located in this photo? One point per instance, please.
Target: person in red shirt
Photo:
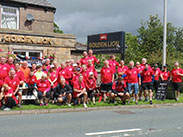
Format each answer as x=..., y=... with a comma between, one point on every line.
x=144, y=62
x=64, y=72
x=91, y=68
x=157, y=73
x=47, y=63
x=165, y=74
x=44, y=69
x=85, y=73
x=76, y=75
x=176, y=77
x=19, y=74
x=147, y=75
x=31, y=83
x=90, y=87
x=107, y=78
x=113, y=64
x=10, y=63
x=80, y=91
x=92, y=57
x=8, y=95
x=14, y=82
x=122, y=69
x=84, y=60
x=4, y=68
x=52, y=76
x=119, y=90
x=43, y=88
x=133, y=80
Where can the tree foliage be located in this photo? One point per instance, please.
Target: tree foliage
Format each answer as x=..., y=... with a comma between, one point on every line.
x=56, y=29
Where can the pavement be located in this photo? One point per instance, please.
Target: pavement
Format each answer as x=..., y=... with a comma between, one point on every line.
x=115, y=122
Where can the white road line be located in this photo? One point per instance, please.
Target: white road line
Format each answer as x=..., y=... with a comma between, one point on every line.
x=112, y=132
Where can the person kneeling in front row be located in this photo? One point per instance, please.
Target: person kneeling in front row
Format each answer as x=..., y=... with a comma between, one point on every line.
x=63, y=92
x=80, y=91
x=119, y=90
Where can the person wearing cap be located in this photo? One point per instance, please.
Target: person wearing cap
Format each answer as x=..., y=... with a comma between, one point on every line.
x=76, y=75
x=176, y=77
x=107, y=78
x=63, y=92
x=165, y=74
x=119, y=90
x=43, y=87
x=80, y=92
x=44, y=68
x=75, y=66
x=84, y=59
x=39, y=72
x=52, y=76
x=157, y=72
x=92, y=57
x=90, y=87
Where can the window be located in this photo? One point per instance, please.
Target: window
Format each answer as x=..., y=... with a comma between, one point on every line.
x=9, y=17
x=35, y=54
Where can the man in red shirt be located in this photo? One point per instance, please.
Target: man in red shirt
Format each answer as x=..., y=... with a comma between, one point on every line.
x=133, y=80
x=122, y=69
x=176, y=77
x=165, y=74
x=144, y=62
x=19, y=73
x=147, y=85
x=64, y=73
x=79, y=91
x=119, y=90
x=14, y=82
x=4, y=68
x=92, y=57
x=113, y=64
x=107, y=78
x=157, y=72
x=84, y=60
x=10, y=63
x=91, y=68
x=140, y=86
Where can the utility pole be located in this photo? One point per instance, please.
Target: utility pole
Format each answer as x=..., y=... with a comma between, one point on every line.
x=165, y=32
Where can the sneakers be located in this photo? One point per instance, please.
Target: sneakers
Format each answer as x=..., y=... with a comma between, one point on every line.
x=69, y=105
x=136, y=103
x=85, y=106
x=20, y=106
x=177, y=99
x=7, y=109
x=124, y=102
x=41, y=104
x=134, y=100
x=146, y=100
x=150, y=102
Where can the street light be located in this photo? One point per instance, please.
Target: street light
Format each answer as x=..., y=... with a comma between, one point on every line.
x=165, y=32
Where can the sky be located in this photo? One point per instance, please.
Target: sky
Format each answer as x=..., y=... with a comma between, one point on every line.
x=87, y=17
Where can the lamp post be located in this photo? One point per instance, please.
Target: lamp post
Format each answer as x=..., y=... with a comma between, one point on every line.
x=165, y=32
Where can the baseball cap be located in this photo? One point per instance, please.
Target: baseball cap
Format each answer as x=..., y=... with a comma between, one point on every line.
x=90, y=73
x=75, y=65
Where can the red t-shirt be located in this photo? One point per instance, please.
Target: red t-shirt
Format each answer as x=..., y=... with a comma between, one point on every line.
x=84, y=61
x=119, y=87
x=54, y=76
x=1, y=83
x=85, y=75
x=66, y=74
x=4, y=70
x=90, y=83
x=31, y=80
x=10, y=91
x=94, y=59
x=107, y=75
x=78, y=86
x=132, y=75
x=75, y=78
x=177, y=78
x=20, y=75
x=11, y=66
x=113, y=65
x=43, y=85
x=92, y=69
x=157, y=72
x=165, y=75
x=13, y=83
x=147, y=75
x=142, y=66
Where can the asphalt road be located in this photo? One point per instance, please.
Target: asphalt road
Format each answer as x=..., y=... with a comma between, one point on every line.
x=156, y=122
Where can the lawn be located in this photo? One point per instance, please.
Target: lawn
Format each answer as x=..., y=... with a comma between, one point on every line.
x=98, y=104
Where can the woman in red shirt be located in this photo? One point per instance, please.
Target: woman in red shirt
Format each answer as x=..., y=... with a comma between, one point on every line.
x=165, y=74
x=43, y=87
x=31, y=83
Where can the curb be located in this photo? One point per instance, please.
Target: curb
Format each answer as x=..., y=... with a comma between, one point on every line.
x=65, y=110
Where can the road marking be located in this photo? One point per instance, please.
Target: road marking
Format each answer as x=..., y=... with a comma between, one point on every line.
x=112, y=132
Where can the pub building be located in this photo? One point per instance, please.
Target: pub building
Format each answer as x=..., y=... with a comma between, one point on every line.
x=26, y=28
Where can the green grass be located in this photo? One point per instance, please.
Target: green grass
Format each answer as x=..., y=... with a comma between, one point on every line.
x=98, y=104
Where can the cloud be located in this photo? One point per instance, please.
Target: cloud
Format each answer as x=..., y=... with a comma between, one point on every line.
x=85, y=17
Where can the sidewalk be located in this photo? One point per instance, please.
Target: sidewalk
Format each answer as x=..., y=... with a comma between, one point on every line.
x=64, y=110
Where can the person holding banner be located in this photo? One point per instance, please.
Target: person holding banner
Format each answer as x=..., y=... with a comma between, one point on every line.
x=176, y=77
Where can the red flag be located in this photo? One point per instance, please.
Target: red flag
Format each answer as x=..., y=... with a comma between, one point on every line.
x=103, y=37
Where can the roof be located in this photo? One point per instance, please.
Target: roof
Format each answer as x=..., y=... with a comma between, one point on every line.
x=42, y=3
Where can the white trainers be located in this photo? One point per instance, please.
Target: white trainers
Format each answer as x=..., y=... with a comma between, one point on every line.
x=85, y=106
x=69, y=105
x=6, y=109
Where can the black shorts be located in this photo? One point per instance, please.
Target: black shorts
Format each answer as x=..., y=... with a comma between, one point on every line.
x=105, y=87
x=90, y=93
x=147, y=86
x=176, y=86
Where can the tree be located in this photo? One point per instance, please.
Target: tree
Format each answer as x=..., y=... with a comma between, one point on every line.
x=56, y=29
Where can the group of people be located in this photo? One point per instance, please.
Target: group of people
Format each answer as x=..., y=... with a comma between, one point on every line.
x=76, y=82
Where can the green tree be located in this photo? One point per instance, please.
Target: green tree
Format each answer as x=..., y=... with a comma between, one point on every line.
x=56, y=29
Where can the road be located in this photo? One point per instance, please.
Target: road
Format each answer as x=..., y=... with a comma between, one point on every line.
x=154, y=122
